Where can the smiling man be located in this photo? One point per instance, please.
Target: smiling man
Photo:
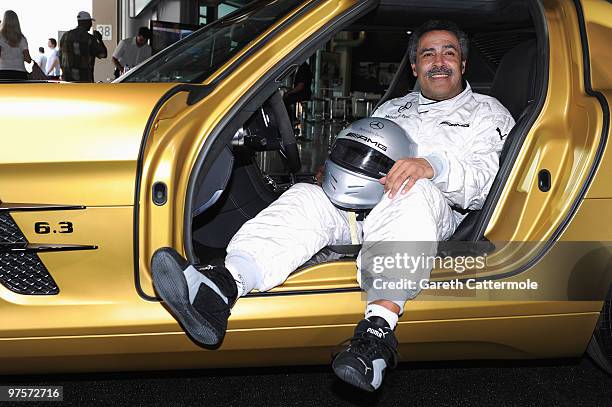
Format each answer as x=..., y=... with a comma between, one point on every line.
x=459, y=134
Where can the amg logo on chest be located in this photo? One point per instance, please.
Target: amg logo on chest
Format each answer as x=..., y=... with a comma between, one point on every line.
x=447, y=123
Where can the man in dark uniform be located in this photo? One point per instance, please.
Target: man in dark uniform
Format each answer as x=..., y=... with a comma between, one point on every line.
x=301, y=89
x=79, y=50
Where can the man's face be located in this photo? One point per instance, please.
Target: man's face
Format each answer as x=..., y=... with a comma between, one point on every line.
x=140, y=40
x=50, y=45
x=439, y=66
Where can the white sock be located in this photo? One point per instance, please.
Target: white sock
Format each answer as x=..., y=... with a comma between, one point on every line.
x=195, y=278
x=244, y=272
x=375, y=310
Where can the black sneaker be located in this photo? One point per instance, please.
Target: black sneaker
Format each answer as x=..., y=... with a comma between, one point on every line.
x=372, y=350
x=206, y=319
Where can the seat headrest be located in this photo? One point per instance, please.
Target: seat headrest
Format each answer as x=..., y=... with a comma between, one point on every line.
x=514, y=82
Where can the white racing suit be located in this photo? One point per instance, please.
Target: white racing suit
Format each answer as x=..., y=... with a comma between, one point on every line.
x=460, y=137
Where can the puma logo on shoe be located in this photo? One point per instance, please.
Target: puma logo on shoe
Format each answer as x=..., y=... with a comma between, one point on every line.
x=379, y=333
x=366, y=367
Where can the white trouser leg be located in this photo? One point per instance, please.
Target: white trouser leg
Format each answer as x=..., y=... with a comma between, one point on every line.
x=287, y=233
x=421, y=215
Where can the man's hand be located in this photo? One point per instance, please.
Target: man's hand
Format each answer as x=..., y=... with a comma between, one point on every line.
x=98, y=35
x=413, y=168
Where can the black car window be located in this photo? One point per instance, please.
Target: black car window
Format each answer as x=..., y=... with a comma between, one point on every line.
x=196, y=57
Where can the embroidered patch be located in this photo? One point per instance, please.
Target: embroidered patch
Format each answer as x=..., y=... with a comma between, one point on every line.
x=447, y=123
x=407, y=106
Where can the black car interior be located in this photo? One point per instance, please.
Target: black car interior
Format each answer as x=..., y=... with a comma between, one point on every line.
x=502, y=63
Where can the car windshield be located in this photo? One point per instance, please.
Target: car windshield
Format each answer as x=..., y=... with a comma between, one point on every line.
x=196, y=57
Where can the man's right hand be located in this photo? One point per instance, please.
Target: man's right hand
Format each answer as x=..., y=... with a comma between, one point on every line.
x=411, y=169
x=98, y=35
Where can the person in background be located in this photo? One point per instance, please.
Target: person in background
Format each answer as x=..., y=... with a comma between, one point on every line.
x=301, y=90
x=52, y=69
x=13, y=48
x=41, y=58
x=386, y=76
x=79, y=50
x=132, y=51
x=370, y=83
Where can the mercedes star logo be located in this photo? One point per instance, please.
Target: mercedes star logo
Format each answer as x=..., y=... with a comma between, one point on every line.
x=376, y=125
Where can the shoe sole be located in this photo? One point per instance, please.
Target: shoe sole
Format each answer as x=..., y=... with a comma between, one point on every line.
x=351, y=376
x=171, y=285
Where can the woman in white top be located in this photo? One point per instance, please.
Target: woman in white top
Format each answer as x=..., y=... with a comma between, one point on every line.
x=13, y=48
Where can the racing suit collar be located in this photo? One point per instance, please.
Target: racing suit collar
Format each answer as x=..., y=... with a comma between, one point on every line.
x=426, y=105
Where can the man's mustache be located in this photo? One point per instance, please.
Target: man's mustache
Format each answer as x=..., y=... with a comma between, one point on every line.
x=439, y=70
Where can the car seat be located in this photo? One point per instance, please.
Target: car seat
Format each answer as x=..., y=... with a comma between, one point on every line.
x=514, y=86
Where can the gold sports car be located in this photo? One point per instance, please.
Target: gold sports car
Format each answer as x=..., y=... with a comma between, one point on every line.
x=95, y=177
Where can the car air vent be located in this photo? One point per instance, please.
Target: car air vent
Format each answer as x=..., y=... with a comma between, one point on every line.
x=25, y=274
x=494, y=45
x=9, y=231
x=22, y=272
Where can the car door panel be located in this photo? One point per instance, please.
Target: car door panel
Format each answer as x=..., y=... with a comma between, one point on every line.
x=67, y=198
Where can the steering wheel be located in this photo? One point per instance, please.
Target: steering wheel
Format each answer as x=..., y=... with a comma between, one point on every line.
x=289, y=149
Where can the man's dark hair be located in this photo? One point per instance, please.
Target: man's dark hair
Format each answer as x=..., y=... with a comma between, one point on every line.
x=437, y=25
x=53, y=41
x=41, y=50
x=144, y=32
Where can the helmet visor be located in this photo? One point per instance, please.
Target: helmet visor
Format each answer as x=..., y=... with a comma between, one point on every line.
x=360, y=158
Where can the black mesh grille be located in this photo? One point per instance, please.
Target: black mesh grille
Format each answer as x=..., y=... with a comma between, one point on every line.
x=23, y=273
x=9, y=231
